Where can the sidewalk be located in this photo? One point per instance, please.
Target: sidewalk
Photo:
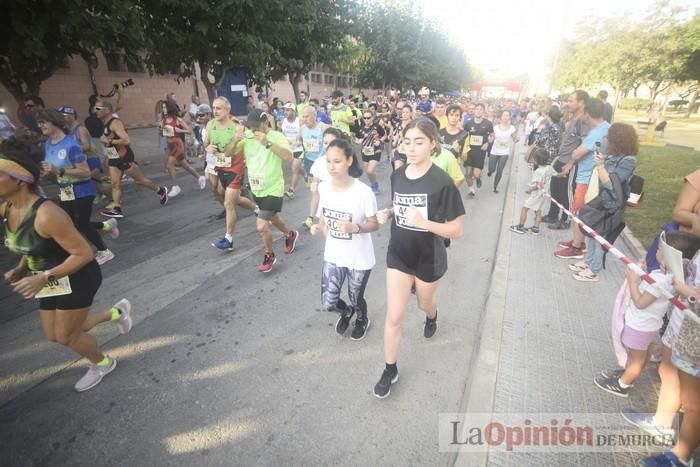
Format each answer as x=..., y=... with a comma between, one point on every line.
x=553, y=338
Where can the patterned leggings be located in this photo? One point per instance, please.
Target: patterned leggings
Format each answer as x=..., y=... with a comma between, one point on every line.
x=332, y=281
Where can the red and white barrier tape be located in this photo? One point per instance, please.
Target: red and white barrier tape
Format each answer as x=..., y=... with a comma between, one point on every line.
x=619, y=255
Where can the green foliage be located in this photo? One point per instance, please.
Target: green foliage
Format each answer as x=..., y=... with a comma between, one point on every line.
x=635, y=104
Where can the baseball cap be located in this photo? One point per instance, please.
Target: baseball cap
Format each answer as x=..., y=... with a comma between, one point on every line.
x=52, y=116
x=337, y=94
x=255, y=116
x=204, y=109
x=68, y=110
x=289, y=106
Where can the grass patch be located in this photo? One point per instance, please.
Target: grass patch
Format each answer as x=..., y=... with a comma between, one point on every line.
x=663, y=170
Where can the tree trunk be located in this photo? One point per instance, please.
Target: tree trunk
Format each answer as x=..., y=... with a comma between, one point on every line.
x=308, y=85
x=691, y=104
x=93, y=79
x=294, y=80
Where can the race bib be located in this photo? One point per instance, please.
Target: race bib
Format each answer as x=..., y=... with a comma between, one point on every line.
x=221, y=160
x=476, y=140
x=367, y=150
x=333, y=219
x=311, y=145
x=55, y=288
x=402, y=148
x=168, y=131
x=403, y=202
x=256, y=183
x=66, y=193
x=112, y=153
x=502, y=145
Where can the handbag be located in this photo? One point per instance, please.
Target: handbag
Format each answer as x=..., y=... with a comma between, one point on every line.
x=687, y=342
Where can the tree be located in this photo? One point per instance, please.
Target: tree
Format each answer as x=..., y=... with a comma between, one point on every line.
x=37, y=37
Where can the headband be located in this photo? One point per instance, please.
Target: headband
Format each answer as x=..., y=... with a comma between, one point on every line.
x=16, y=171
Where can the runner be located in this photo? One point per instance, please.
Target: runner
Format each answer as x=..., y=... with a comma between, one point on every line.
x=229, y=166
x=172, y=127
x=426, y=206
x=454, y=138
x=480, y=135
x=312, y=139
x=505, y=137
x=65, y=276
x=121, y=159
x=440, y=112
x=348, y=213
x=264, y=152
x=369, y=137
x=291, y=128
x=65, y=162
x=319, y=171
x=341, y=114
x=399, y=157
x=303, y=103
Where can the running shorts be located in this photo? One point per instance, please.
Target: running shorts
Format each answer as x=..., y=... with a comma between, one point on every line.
x=269, y=206
x=579, y=197
x=424, y=268
x=84, y=285
x=399, y=157
x=176, y=149
x=377, y=156
x=123, y=163
x=232, y=177
x=475, y=159
x=332, y=279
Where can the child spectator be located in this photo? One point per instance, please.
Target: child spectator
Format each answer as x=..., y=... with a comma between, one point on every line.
x=539, y=185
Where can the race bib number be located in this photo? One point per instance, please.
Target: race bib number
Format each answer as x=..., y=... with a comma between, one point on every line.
x=311, y=145
x=168, y=131
x=112, y=153
x=502, y=145
x=221, y=160
x=367, y=150
x=403, y=202
x=55, y=288
x=476, y=140
x=333, y=220
x=66, y=193
x=402, y=148
x=256, y=183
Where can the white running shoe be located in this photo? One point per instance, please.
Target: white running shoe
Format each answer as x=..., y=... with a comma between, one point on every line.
x=94, y=375
x=202, y=180
x=113, y=228
x=174, y=191
x=125, y=322
x=103, y=256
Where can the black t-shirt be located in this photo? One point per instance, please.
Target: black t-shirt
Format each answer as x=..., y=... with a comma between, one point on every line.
x=478, y=134
x=436, y=196
x=448, y=141
x=371, y=139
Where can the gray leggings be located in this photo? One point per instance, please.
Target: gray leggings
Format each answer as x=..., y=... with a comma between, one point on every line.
x=497, y=164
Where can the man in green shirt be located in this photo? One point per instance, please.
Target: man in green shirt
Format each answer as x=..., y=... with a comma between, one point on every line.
x=264, y=150
x=303, y=103
x=341, y=114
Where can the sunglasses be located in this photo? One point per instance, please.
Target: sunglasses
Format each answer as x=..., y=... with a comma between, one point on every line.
x=367, y=118
x=29, y=106
x=99, y=108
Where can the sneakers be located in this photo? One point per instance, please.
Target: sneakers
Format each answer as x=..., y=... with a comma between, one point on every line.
x=174, y=191
x=534, y=230
x=430, y=326
x=125, y=322
x=110, y=205
x=116, y=212
x=570, y=253
x=559, y=225
x=616, y=373
x=375, y=188
x=665, y=459
x=567, y=244
x=289, y=193
x=94, y=375
x=611, y=384
x=518, y=228
x=290, y=242
x=472, y=193
x=202, y=182
x=223, y=245
x=578, y=267
x=268, y=261
x=344, y=321
x=359, y=331
x=383, y=388
x=308, y=223
x=98, y=199
x=103, y=256
x=113, y=228
x=586, y=276
x=647, y=423
x=478, y=182
x=163, y=195
x=547, y=219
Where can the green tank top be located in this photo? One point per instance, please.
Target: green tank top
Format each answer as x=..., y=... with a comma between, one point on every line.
x=221, y=135
x=42, y=253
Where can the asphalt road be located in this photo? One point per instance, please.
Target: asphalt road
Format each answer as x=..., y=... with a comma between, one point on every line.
x=228, y=366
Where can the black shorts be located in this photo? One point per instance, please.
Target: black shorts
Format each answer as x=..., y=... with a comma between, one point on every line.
x=377, y=156
x=298, y=154
x=84, y=285
x=269, y=206
x=425, y=269
x=475, y=159
x=123, y=163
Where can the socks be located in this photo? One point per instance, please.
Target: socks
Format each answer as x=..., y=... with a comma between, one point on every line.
x=229, y=237
x=623, y=385
x=432, y=319
x=106, y=227
x=391, y=368
x=116, y=314
x=103, y=362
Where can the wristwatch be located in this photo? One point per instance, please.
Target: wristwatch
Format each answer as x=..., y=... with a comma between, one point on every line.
x=49, y=277
x=358, y=229
x=268, y=145
x=61, y=172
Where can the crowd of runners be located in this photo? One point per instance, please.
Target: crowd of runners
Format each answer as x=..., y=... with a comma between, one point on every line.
x=432, y=147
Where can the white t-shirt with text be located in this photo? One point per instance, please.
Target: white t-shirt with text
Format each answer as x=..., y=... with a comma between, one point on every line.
x=651, y=318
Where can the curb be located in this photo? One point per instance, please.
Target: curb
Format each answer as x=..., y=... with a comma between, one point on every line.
x=480, y=389
x=633, y=244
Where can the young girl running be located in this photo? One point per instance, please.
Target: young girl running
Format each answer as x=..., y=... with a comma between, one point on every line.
x=319, y=171
x=538, y=186
x=347, y=213
x=426, y=208
x=172, y=127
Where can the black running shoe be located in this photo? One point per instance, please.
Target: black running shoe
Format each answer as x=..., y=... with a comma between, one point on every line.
x=611, y=385
x=430, y=327
x=115, y=212
x=344, y=321
x=162, y=195
x=383, y=388
x=360, y=330
x=550, y=219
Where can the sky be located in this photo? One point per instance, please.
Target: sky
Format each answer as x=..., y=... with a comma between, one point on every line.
x=508, y=38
